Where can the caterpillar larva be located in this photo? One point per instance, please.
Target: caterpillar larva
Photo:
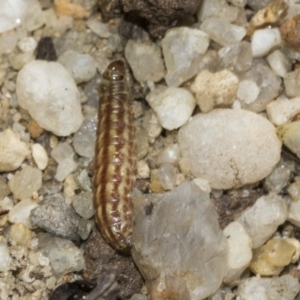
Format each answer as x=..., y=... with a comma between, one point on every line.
x=114, y=159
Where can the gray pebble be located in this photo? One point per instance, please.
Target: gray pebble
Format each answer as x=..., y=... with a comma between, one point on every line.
x=85, y=227
x=83, y=204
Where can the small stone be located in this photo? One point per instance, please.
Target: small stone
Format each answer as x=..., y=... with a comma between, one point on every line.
x=143, y=170
x=277, y=288
x=248, y=91
x=40, y=156
x=27, y=44
x=12, y=151
x=291, y=83
x=64, y=256
x=98, y=27
x=183, y=49
x=65, y=8
x=54, y=215
x=5, y=259
x=85, y=138
x=20, y=234
x=145, y=61
x=168, y=155
x=83, y=204
x=80, y=66
x=85, y=227
x=25, y=182
x=294, y=189
x=201, y=254
x=263, y=218
x=64, y=155
x=4, y=189
x=239, y=251
x=153, y=127
x=172, y=106
x=51, y=97
x=167, y=175
x=294, y=213
x=202, y=184
x=142, y=144
x=290, y=32
x=279, y=63
x=21, y=211
x=34, y=129
x=225, y=147
x=289, y=134
x=214, y=89
x=222, y=32
x=282, y=111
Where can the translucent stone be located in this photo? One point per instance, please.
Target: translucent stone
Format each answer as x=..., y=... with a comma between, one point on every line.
x=8, y=42
x=40, y=156
x=169, y=155
x=27, y=44
x=100, y=28
x=291, y=83
x=143, y=170
x=83, y=204
x=167, y=176
x=183, y=49
x=279, y=63
x=222, y=32
x=294, y=189
x=294, y=213
x=20, y=234
x=248, y=91
x=145, y=61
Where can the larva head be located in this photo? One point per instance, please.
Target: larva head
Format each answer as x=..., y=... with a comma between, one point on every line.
x=115, y=71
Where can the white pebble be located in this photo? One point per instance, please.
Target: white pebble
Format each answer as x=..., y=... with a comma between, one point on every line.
x=225, y=147
x=143, y=170
x=248, y=91
x=183, y=49
x=100, y=28
x=5, y=258
x=12, y=151
x=264, y=40
x=168, y=155
x=40, y=156
x=27, y=44
x=279, y=63
x=203, y=184
x=172, y=106
x=282, y=111
x=239, y=250
x=21, y=211
x=51, y=97
x=81, y=67
x=145, y=61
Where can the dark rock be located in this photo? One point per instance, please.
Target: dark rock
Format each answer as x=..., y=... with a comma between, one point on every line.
x=45, y=50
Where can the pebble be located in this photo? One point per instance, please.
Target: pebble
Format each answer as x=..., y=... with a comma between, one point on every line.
x=25, y=182
x=85, y=137
x=201, y=254
x=222, y=32
x=173, y=106
x=167, y=175
x=225, y=147
x=85, y=227
x=239, y=251
x=294, y=212
x=27, y=44
x=64, y=156
x=145, y=61
x=294, y=189
x=237, y=58
x=267, y=82
x=34, y=129
x=277, y=288
x=5, y=259
x=214, y=89
x=279, y=63
x=183, y=49
x=153, y=127
x=83, y=204
x=289, y=134
x=283, y=110
x=20, y=234
x=143, y=170
x=202, y=184
x=12, y=151
x=80, y=66
x=55, y=216
x=4, y=189
x=51, y=97
x=64, y=256
x=291, y=83
x=263, y=218
x=40, y=156
x=21, y=211
x=142, y=147
x=168, y=155
x=100, y=28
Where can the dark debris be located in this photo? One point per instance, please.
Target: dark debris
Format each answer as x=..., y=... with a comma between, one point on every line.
x=45, y=50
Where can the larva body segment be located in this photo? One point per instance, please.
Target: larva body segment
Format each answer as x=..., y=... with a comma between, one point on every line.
x=114, y=159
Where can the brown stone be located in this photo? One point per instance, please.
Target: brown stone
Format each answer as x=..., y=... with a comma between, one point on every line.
x=290, y=32
x=34, y=129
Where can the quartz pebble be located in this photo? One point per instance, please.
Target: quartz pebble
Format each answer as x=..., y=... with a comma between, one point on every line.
x=294, y=189
x=20, y=234
x=201, y=254
x=291, y=83
x=26, y=182
x=6, y=204
x=214, y=89
x=294, y=213
x=5, y=258
x=100, y=28
x=226, y=146
x=51, y=97
x=281, y=111
x=27, y=44
x=145, y=61
x=57, y=217
x=173, y=106
x=83, y=204
x=143, y=170
x=85, y=138
x=40, y=156
x=264, y=40
x=12, y=151
x=277, y=288
x=64, y=155
x=263, y=218
x=239, y=250
x=279, y=63
x=222, y=32
x=21, y=211
x=81, y=67
x=64, y=256
x=167, y=175
x=168, y=155
x=183, y=49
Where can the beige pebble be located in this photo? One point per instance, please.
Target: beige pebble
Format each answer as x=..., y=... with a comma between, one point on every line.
x=40, y=156
x=20, y=234
x=143, y=170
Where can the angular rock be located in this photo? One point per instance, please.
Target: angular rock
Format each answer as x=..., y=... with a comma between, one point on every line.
x=226, y=147
x=51, y=97
x=291, y=83
x=177, y=260
x=83, y=204
x=183, y=49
